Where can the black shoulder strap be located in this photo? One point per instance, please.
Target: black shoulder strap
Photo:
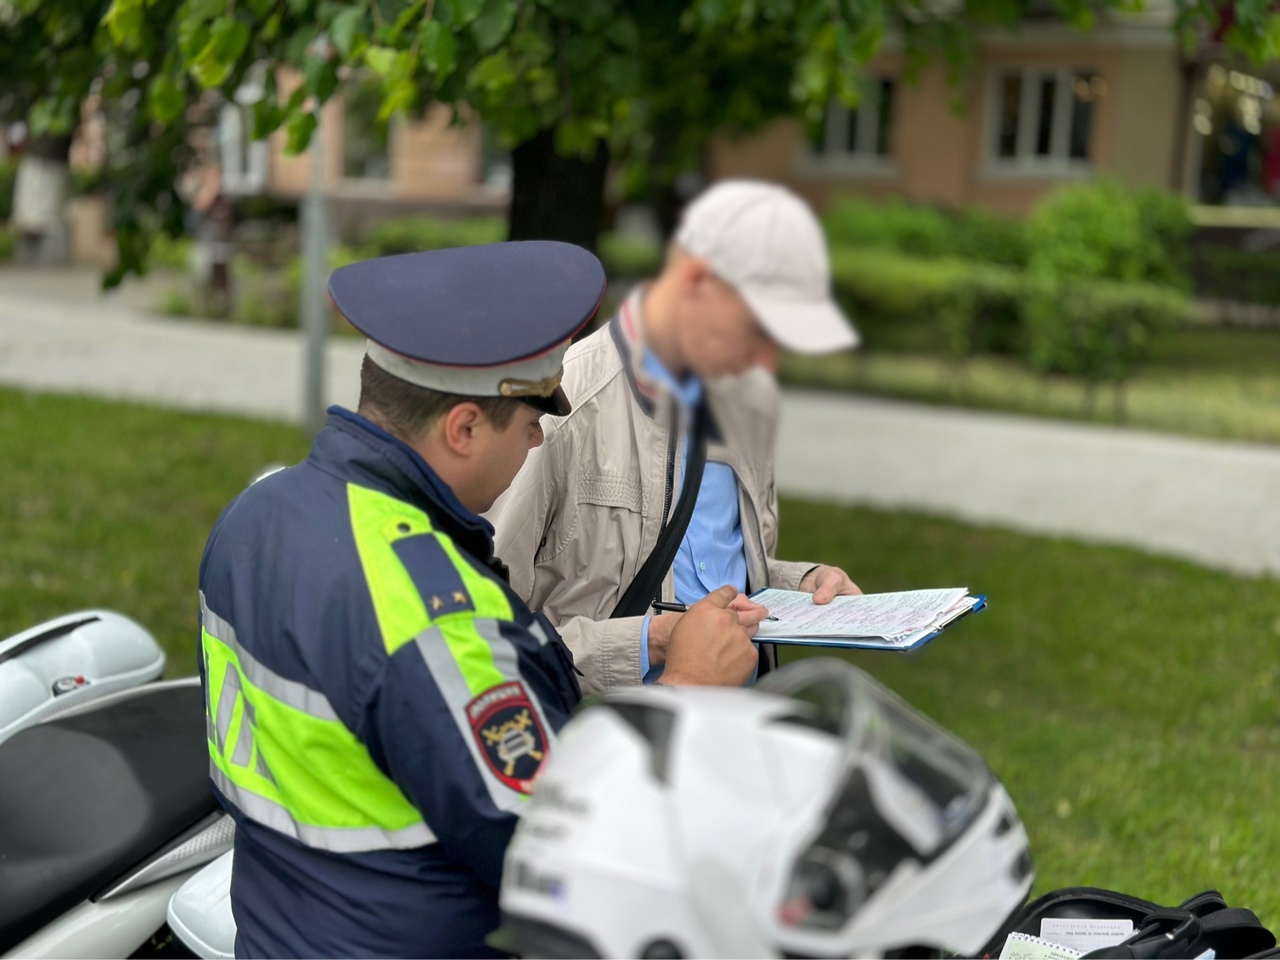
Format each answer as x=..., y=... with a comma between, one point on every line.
x=639, y=596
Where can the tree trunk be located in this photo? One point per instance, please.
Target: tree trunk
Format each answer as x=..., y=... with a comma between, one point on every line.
x=39, y=201
x=555, y=197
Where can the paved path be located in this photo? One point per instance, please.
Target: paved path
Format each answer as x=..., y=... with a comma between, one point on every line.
x=1213, y=502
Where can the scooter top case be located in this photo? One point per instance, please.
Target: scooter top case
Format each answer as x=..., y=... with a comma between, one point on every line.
x=99, y=802
x=62, y=663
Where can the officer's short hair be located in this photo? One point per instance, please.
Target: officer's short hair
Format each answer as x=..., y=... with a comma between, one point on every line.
x=408, y=411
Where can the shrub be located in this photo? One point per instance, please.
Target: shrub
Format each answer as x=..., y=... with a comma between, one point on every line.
x=1222, y=273
x=1096, y=329
x=1167, y=227
x=893, y=225
x=8, y=177
x=411, y=234
x=926, y=231
x=973, y=307
x=982, y=236
x=169, y=253
x=630, y=257
x=1105, y=231
x=8, y=243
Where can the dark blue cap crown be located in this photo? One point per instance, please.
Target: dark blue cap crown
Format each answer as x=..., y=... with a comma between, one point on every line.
x=480, y=306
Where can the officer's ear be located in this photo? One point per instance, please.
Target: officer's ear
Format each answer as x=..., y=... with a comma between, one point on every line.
x=458, y=427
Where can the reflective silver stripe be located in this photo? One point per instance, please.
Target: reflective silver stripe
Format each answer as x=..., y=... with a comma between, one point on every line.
x=226, y=706
x=457, y=694
x=244, y=745
x=506, y=660
x=261, y=769
x=539, y=634
x=289, y=692
x=334, y=839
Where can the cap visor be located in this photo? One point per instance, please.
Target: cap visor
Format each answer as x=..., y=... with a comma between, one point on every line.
x=813, y=327
x=557, y=404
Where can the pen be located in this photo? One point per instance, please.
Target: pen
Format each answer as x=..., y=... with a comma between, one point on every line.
x=668, y=607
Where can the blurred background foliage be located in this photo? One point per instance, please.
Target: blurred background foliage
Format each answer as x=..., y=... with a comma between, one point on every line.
x=574, y=88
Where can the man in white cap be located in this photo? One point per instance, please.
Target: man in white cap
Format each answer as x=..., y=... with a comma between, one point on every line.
x=600, y=529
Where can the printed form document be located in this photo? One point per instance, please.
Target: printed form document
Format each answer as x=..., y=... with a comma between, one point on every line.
x=886, y=620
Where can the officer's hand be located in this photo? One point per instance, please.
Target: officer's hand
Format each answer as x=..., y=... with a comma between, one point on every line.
x=710, y=646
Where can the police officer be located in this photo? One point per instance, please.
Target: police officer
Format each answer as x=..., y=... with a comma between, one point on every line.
x=379, y=699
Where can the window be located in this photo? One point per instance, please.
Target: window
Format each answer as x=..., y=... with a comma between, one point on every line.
x=861, y=137
x=366, y=141
x=245, y=163
x=1041, y=120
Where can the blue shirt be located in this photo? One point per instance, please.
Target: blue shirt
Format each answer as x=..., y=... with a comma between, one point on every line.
x=712, y=551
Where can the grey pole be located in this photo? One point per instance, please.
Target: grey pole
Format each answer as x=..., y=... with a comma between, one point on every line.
x=315, y=274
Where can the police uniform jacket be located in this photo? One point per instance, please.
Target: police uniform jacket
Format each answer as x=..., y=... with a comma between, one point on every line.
x=379, y=701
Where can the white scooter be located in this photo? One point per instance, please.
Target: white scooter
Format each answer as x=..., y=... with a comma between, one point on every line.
x=105, y=805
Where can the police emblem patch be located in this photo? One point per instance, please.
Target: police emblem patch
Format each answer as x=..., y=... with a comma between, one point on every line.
x=509, y=734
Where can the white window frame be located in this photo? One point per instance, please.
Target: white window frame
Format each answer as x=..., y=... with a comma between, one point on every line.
x=246, y=168
x=1026, y=162
x=864, y=161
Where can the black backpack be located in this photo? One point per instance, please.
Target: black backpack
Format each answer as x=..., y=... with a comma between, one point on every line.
x=1200, y=923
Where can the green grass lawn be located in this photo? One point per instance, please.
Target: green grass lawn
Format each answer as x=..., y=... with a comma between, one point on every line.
x=109, y=505
x=1129, y=703
x=1221, y=383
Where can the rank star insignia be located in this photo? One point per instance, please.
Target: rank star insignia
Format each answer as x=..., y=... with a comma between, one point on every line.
x=459, y=597
x=437, y=603
x=509, y=734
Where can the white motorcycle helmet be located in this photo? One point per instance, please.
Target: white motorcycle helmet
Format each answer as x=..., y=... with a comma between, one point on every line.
x=817, y=815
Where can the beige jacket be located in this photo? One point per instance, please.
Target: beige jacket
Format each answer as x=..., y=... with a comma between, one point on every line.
x=586, y=510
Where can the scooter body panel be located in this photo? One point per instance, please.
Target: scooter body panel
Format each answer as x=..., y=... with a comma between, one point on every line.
x=69, y=661
x=200, y=912
x=114, y=927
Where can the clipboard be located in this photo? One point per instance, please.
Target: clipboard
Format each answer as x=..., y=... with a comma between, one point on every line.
x=871, y=643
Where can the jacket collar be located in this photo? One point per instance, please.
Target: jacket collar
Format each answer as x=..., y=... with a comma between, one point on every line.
x=627, y=331
x=348, y=443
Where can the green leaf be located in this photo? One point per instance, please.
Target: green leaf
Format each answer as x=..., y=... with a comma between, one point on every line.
x=493, y=24
x=344, y=30
x=391, y=34
x=300, y=128
x=165, y=100
x=459, y=13
x=267, y=117
x=227, y=41
x=438, y=48
x=124, y=20
x=320, y=78
x=231, y=37
x=494, y=73
x=193, y=34
x=381, y=60
x=399, y=99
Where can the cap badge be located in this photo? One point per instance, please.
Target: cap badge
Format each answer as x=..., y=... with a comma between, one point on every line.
x=514, y=387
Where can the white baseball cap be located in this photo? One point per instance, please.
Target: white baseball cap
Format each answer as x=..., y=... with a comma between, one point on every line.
x=765, y=242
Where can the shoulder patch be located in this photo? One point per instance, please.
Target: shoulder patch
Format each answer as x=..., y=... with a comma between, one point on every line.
x=438, y=581
x=510, y=737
